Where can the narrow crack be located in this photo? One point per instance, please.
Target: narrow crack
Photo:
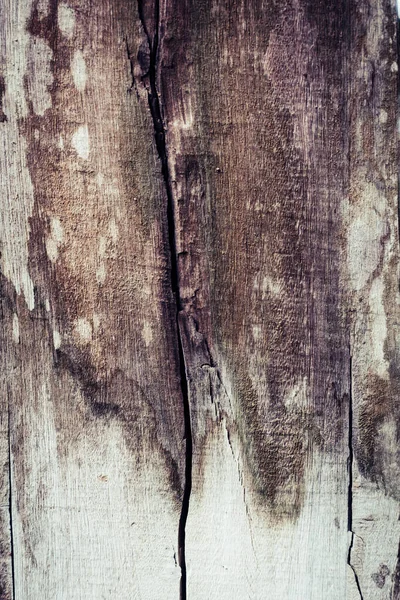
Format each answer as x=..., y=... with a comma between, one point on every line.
x=351, y=453
x=350, y=484
x=396, y=578
x=159, y=134
x=10, y=511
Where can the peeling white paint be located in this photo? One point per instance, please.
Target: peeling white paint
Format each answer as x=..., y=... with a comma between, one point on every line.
x=66, y=20
x=84, y=330
x=56, y=339
x=15, y=328
x=78, y=69
x=39, y=75
x=61, y=142
x=80, y=141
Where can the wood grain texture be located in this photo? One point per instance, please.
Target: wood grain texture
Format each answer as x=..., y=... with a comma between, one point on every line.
x=199, y=300
x=373, y=272
x=92, y=373
x=274, y=130
x=258, y=152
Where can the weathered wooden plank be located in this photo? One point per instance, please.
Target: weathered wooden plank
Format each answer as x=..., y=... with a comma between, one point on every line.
x=373, y=275
x=272, y=125
x=237, y=162
x=96, y=411
x=254, y=102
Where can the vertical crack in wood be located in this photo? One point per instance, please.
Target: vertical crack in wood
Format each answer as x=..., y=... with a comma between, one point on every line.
x=350, y=456
x=395, y=593
x=350, y=460
x=159, y=134
x=10, y=501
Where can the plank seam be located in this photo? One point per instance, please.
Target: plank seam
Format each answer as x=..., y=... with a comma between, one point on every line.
x=159, y=134
x=350, y=484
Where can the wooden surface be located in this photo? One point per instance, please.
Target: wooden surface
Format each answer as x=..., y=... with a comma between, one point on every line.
x=199, y=300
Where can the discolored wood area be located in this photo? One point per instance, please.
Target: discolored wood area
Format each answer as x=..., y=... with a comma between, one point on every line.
x=199, y=300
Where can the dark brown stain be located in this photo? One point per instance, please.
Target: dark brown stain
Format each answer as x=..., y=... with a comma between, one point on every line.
x=374, y=409
x=252, y=204
x=379, y=578
x=378, y=406
x=118, y=377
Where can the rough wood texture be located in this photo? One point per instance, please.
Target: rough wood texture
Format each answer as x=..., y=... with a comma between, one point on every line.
x=199, y=271
x=93, y=382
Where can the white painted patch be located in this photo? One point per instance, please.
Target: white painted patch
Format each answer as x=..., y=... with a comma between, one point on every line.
x=84, y=330
x=15, y=329
x=56, y=230
x=80, y=142
x=61, y=142
x=383, y=116
x=394, y=67
x=257, y=331
x=52, y=249
x=78, y=69
x=56, y=339
x=147, y=333
x=55, y=239
x=47, y=305
x=39, y=75
x=66, y=20
x=100, y=179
